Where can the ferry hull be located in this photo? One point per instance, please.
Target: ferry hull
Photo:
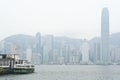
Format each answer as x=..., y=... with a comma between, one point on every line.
x=5, y=71
x=22, y=70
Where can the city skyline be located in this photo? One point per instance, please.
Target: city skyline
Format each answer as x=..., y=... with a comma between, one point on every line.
x=76, y=19
x=59, y=39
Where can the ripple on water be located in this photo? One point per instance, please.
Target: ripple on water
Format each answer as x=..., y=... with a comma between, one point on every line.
x=69, y=72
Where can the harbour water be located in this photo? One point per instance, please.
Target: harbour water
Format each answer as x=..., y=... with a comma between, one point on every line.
x=69, y=72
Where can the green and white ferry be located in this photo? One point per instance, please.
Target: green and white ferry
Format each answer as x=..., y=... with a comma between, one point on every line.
x=22, y=67
x=12, y=64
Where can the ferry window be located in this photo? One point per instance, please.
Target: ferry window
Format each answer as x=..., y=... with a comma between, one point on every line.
x=0, y=63
x=16, y=62
x=4, y=56
x=0, y=57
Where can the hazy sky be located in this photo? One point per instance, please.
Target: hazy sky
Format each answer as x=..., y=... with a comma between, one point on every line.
x=73, y=18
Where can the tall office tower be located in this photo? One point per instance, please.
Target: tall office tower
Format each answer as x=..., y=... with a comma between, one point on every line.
x=37, y=51
x=29, y=54
x=48, y=50
x=64, y=50
x=85, y=52
x=38, y=43
x=95, y=52
x=115, y=54
x=105, y=57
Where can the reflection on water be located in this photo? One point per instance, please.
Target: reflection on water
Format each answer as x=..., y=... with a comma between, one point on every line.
x=69, y=72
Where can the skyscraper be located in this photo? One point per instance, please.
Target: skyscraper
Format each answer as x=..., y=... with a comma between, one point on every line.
x=38, y=43
x=105, y=57
x=48, y=49
x=37, y=55
x=85, y=52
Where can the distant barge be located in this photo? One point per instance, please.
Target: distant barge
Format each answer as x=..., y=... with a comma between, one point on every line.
x=11, y=64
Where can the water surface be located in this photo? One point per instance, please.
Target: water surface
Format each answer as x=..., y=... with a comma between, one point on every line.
x=69, y=72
